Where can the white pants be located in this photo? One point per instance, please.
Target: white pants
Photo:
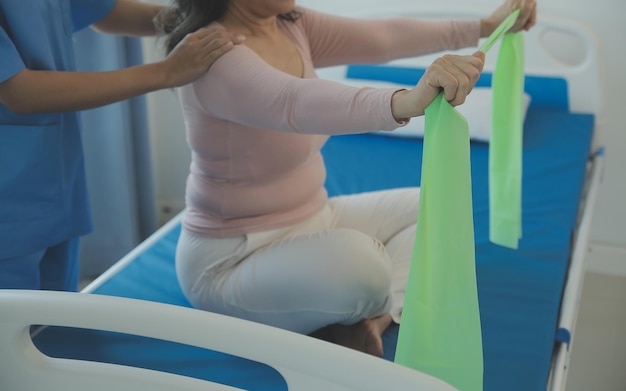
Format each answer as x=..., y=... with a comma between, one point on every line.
x=347, y=263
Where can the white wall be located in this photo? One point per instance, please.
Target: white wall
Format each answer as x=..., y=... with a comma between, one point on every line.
x=171, y=156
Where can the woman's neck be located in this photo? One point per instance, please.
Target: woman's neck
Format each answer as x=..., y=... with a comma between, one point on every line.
x=241, y=21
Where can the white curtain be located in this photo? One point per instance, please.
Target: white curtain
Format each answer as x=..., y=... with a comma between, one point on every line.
x=117, y=155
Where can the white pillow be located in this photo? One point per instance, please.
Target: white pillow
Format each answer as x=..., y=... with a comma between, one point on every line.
x=476, y=109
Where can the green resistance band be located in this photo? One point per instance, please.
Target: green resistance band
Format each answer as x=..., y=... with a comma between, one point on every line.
x=440, y=331
x=505, y=146
x=506, y=24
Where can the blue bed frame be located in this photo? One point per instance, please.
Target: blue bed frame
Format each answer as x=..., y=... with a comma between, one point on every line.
x=520, y=290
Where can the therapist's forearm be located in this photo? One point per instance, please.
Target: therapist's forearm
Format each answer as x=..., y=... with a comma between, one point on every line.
x=130, y=18
x=50, y=91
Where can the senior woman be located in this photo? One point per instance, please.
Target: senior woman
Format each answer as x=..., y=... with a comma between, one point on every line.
x=261, y=240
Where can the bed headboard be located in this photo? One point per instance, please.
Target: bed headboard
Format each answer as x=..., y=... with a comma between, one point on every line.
x=562, y=60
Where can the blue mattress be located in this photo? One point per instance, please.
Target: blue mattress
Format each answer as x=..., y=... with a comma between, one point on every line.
x=519, y=291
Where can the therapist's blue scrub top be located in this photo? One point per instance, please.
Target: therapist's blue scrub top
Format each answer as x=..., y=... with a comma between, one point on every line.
x=43, y=193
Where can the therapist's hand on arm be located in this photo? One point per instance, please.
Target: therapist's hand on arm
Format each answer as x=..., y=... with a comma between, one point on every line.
x=454, y=75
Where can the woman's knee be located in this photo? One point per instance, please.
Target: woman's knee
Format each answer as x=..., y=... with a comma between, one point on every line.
x=366, y=263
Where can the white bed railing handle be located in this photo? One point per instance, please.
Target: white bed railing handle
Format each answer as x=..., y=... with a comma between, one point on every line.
x=304, y=362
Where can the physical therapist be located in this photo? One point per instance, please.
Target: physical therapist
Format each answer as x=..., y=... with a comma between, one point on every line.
x=44, y=206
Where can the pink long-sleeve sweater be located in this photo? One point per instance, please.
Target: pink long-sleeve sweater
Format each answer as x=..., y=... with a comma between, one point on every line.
x=255, y=132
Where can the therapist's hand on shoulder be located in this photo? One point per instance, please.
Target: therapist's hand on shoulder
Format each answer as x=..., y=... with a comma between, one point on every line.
x=195, y=54
x=453, y=75
x=38, y=91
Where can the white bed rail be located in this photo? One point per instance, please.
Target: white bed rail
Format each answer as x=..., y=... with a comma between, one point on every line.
x=575, y=278
x=304, y=362
x=133, y=254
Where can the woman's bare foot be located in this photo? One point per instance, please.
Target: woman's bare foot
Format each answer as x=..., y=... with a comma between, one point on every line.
x=365, y=336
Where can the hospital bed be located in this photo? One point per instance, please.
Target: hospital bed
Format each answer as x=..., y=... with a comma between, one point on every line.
x=132, y=328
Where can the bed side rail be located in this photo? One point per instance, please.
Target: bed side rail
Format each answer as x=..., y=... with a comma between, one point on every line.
x=304, y=362
x=574, y=283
